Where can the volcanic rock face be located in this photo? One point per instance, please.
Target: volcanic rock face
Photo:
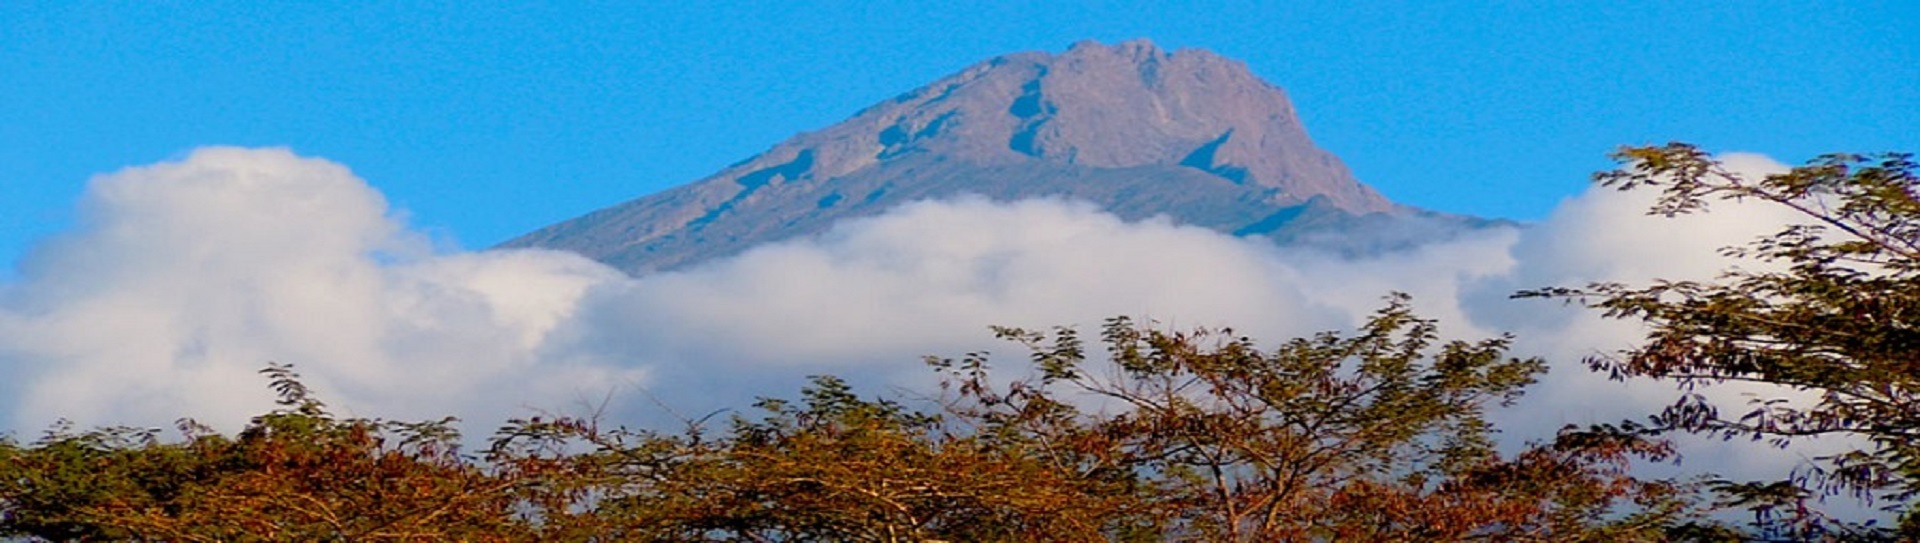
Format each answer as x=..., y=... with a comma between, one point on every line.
x=1137, y=130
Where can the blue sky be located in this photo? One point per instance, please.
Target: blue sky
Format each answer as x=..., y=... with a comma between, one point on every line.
x=488, y=121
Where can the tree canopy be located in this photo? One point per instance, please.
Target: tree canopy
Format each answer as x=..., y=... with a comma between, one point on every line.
x=1159, y=435
x=1832, y=310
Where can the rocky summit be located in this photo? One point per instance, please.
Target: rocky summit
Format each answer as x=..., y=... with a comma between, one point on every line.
x=1134, y=129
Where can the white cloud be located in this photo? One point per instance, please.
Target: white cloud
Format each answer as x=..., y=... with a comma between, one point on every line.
x=873, y=296
x=184, y=278
x=1607, y=235
x=935, y=274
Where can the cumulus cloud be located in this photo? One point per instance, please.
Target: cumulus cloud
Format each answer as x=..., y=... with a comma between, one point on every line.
x=913, y=278
x=873, y=296
x=1606, y=235
x=183, y=278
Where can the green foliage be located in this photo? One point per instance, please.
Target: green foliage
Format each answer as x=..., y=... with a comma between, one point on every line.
x=1833, y=311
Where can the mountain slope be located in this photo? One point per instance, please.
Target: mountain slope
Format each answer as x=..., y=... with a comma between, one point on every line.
x=1134, y=129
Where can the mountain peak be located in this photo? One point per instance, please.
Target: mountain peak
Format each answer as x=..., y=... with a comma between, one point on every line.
x=1137, y=49
x=1129, y=126
x=1124, y=105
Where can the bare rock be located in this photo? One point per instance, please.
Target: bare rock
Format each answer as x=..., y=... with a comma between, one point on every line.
x=1138, y=130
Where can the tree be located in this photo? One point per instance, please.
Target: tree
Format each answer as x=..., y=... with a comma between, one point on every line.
x=1837, y=314
x=1378, y=435
x=295, y=474
x=831, y=467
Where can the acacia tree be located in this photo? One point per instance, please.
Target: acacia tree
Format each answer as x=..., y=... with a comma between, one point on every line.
x=1377, y=436
x=830, y=467
x=1838, y=316
x=294, y=474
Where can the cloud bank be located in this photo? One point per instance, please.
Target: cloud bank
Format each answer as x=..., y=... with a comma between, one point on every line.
x=184, y=278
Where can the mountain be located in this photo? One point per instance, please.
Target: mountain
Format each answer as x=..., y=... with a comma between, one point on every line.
x=1134, y=129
